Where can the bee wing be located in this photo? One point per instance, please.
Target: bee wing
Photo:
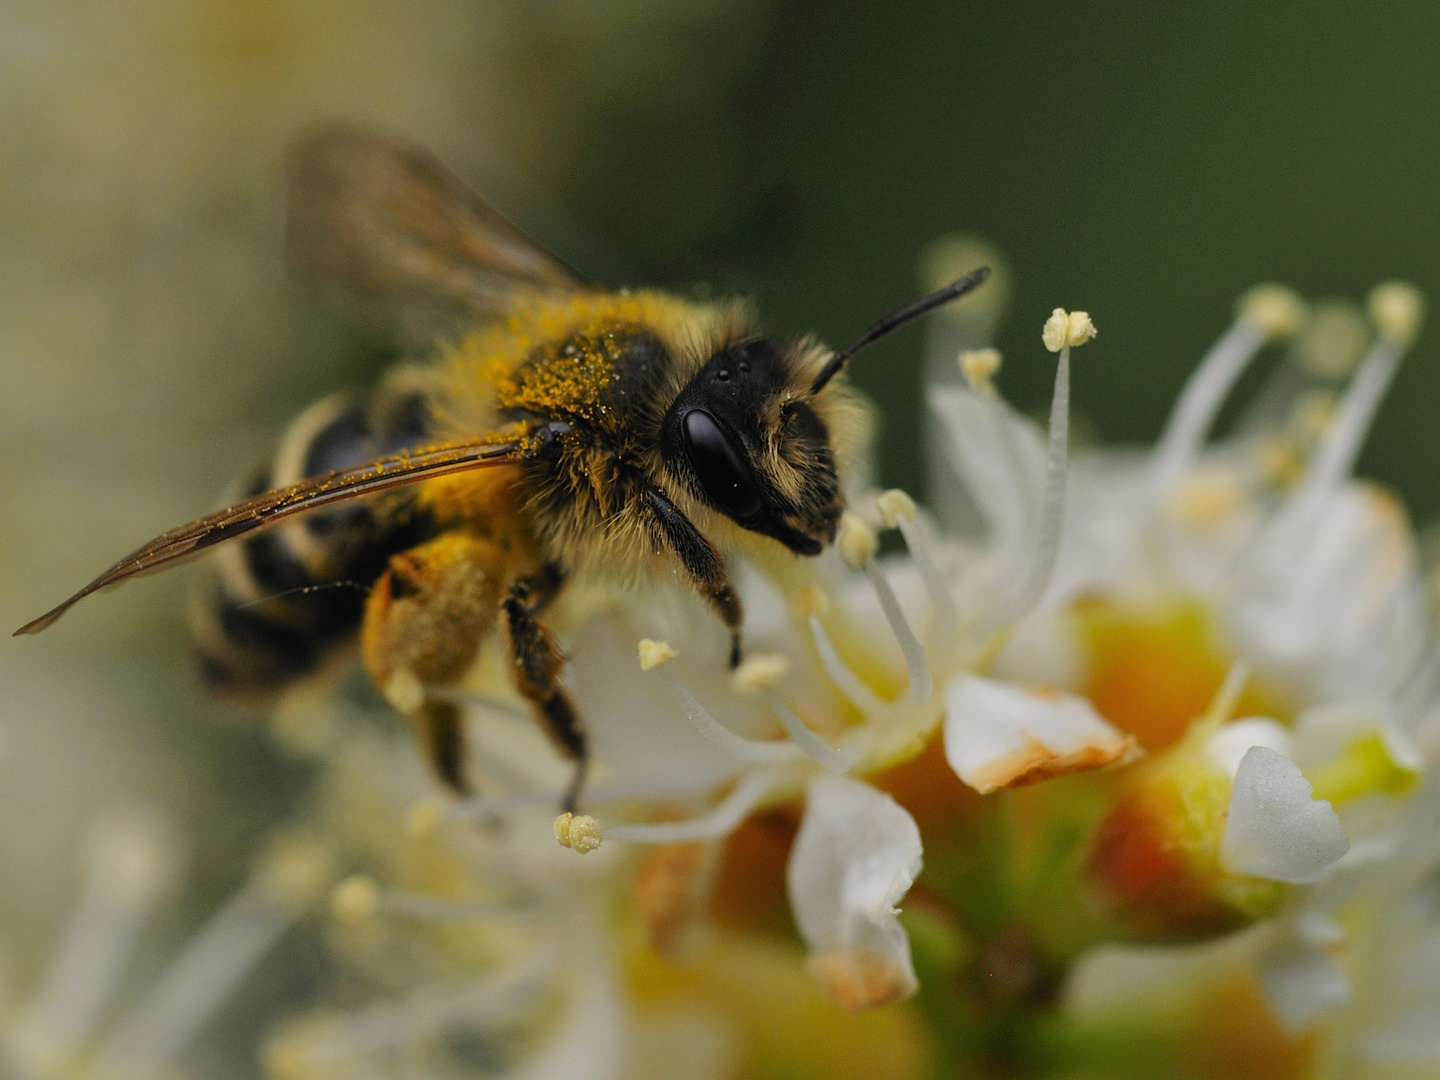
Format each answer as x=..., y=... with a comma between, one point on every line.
x=267, y=509
x=385, y=220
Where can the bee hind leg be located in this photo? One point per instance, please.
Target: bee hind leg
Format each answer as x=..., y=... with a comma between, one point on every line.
x=536, y=662
x=424, y=621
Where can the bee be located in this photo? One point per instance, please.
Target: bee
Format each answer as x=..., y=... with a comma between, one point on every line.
x=561, y=433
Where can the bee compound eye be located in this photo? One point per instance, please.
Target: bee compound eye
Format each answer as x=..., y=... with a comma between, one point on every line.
x=722, y=471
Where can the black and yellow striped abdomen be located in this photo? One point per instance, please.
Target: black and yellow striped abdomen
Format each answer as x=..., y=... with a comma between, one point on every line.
x=275, y=606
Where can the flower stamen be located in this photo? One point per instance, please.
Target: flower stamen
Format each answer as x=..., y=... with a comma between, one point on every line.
x=1265, y=313
x=1397, y=309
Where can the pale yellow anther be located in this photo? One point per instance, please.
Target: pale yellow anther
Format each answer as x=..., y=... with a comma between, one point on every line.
x=760, y=672
x=1397, y=309
x=1206, y=499
x=355, y=900
x=979, y=367
x=1067, y=328
x=578, y=832
x=1281, y=461
x=811, y=602
x=1277, y=310
x=425, y=818
x=1335, y=339
x=895, y=506
x=655, y=653
x=297, y=870
x=404, y=691
x=857, y=542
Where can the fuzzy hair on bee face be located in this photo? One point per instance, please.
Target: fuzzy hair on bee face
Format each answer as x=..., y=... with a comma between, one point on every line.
x=747, y=436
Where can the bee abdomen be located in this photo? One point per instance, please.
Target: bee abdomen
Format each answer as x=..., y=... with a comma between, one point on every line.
x=277, y=605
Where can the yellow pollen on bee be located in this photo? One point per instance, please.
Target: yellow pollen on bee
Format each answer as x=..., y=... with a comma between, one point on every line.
x=760, y=672
x=578, y=832
x=654, y=653
x=857, y=542
x=895, y=506
x=1067, y=328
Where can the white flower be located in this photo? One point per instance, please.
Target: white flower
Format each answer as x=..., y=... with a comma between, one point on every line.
x=854, y=859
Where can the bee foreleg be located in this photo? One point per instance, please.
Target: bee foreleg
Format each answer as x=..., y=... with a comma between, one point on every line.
x=424, y=621
x=536, y=661
x=702, y=562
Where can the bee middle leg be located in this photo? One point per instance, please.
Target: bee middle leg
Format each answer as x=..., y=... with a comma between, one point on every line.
x=536, y=662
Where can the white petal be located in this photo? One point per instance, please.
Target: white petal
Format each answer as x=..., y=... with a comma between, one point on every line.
x=1324, y=732
x=1227, y=747
x=999, y=735
x=1301, y=982
x=855, y=857
x=1274, y=828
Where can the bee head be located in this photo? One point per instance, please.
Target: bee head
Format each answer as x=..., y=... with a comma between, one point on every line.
x=744, y=438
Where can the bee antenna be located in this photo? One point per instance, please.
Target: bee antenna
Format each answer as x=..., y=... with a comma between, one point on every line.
x=956, y=289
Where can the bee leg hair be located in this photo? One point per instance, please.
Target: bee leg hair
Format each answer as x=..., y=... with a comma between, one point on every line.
x=702, y=562
x=424, y=621
x=536, y=662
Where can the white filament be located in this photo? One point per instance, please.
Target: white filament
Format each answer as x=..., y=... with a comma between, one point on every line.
x=947, y=616
x=845, y=680
x=1012, y=608
x=816, y=748
x=721, y=821
x=486, y=1004
x=123, y=882
x=1356, y=412
x=1222, y=708
x=413, y=905
x=1200, y=401
x=209, y=969
x=919, y=671
x=736, y=746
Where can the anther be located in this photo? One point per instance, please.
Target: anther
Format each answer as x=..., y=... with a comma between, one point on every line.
x=760, y=672
x=655, y=653
x=895, y=506
x=979, y=367
x=857, y=542
x=1277, y=311
x=1065, y=328
x=811, y=602
x=355, y=900
x=579, y=832
x=1397, y=309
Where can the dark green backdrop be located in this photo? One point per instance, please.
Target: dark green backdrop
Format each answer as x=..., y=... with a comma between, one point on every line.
x=1146, y=161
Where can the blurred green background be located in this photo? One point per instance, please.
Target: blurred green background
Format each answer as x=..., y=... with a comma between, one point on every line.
x=1143, y=161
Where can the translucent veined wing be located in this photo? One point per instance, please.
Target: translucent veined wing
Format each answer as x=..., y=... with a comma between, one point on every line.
x=268, y=508
x=390, y=224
